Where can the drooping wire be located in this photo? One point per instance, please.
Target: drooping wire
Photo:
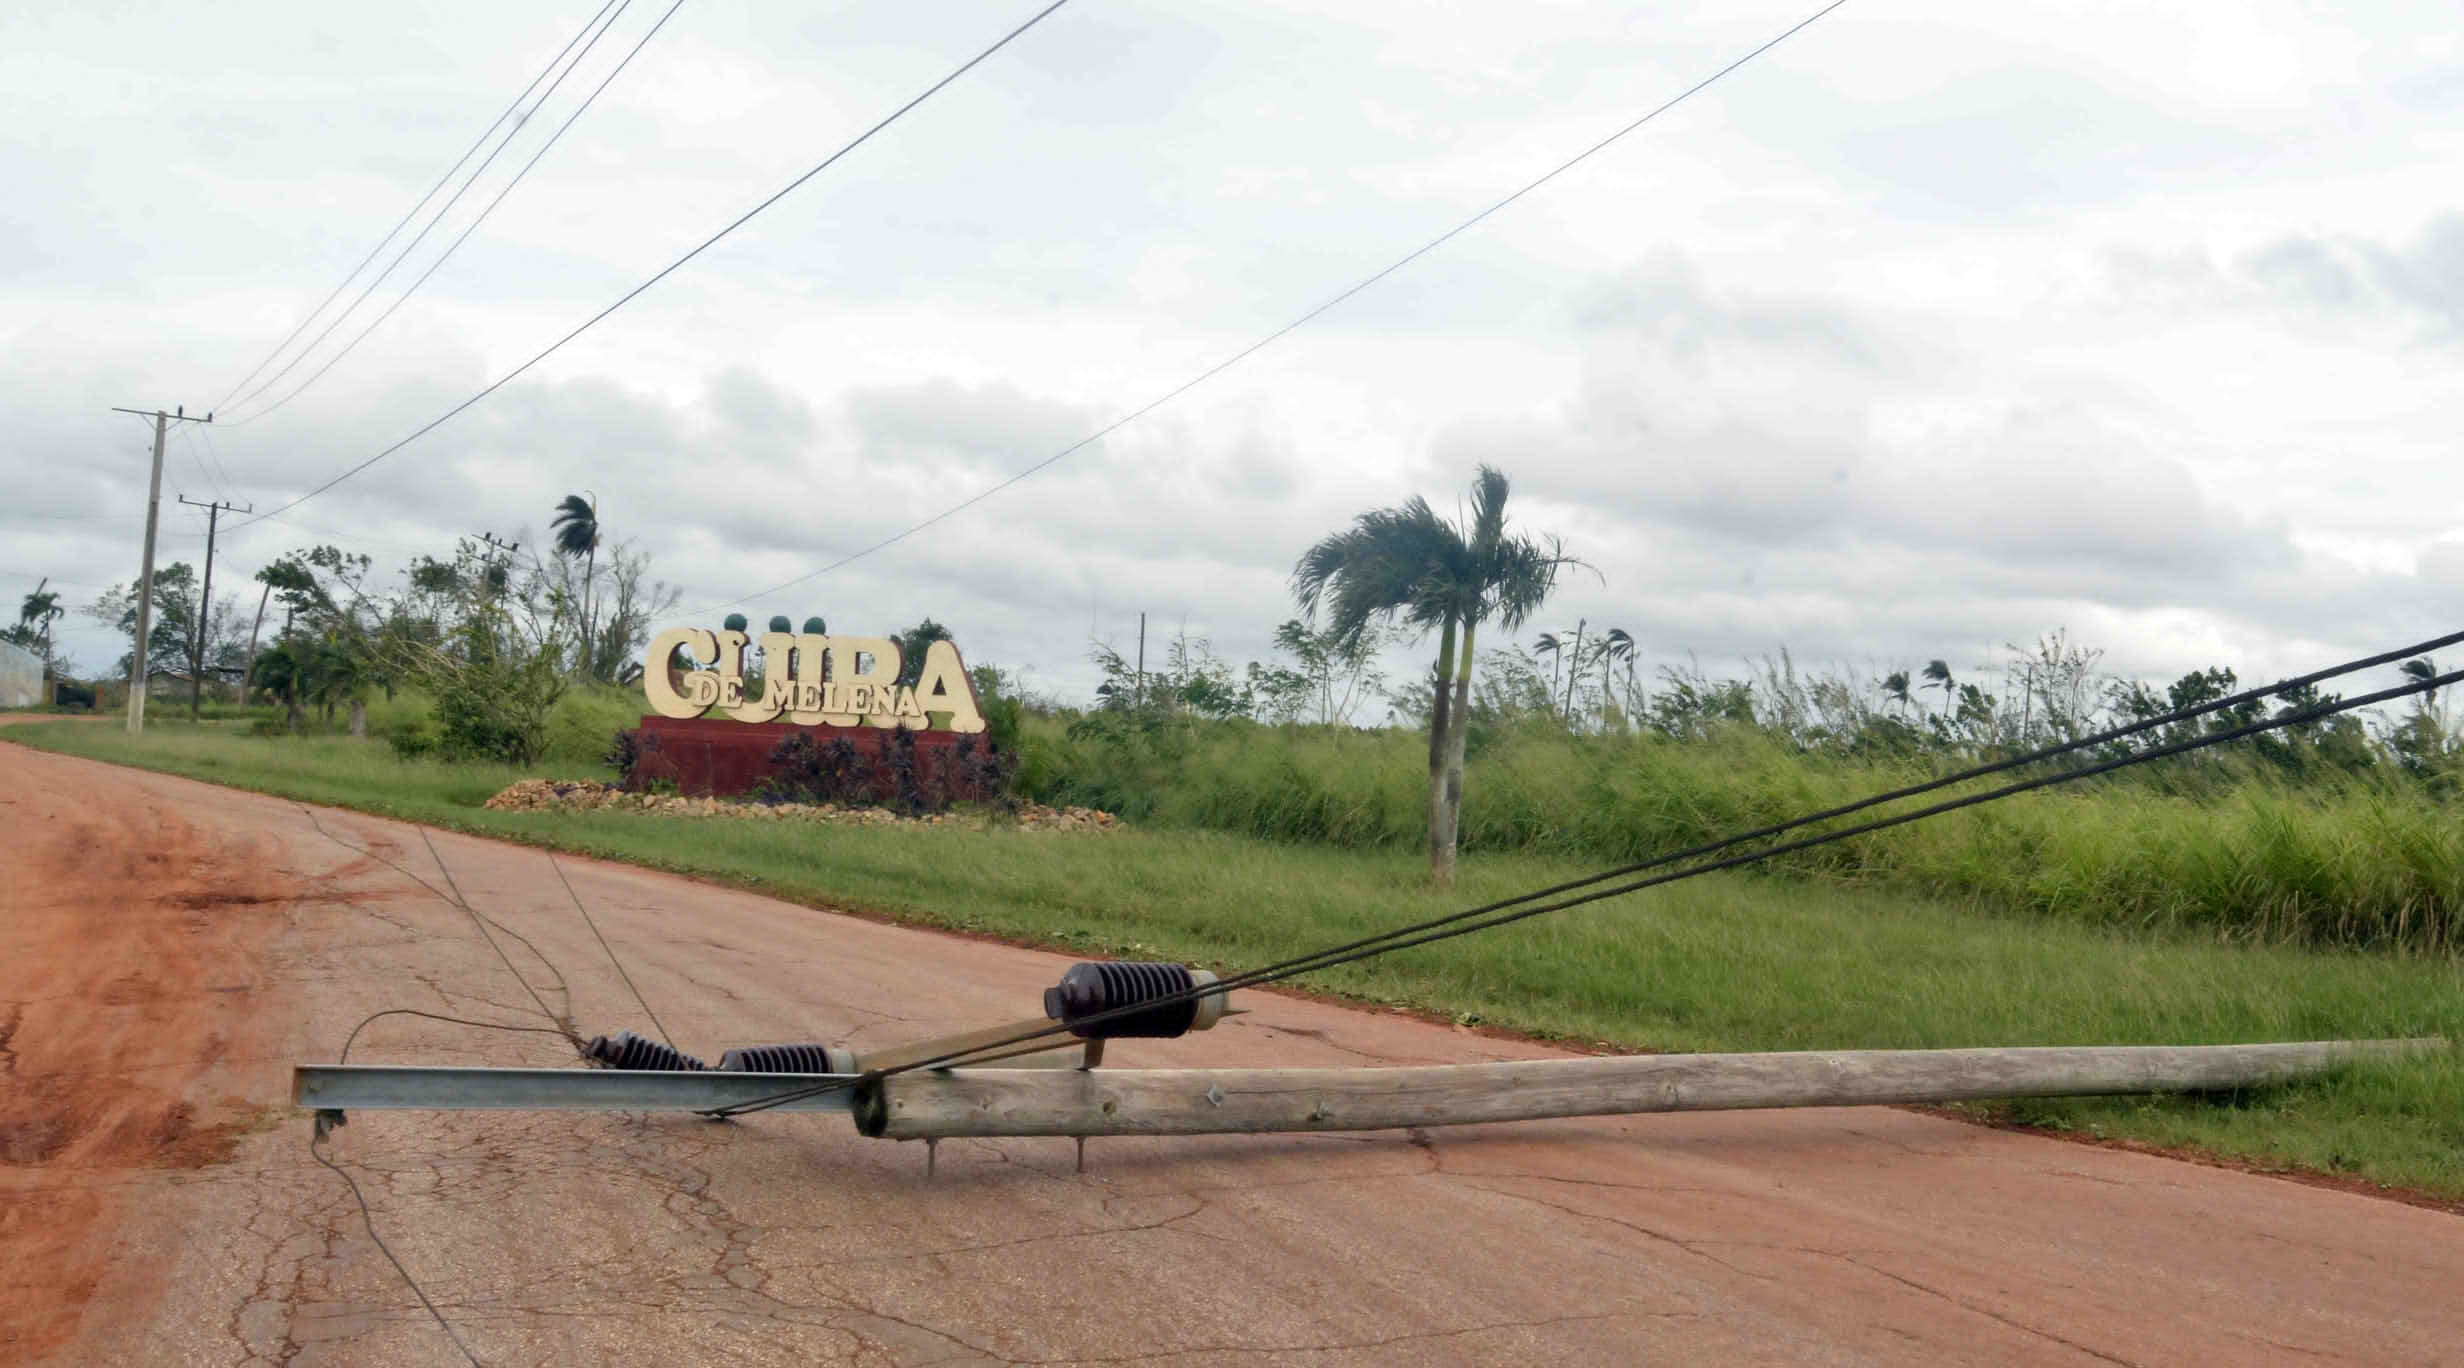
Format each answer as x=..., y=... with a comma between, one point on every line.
x=665, y=271
x=413, y=211
x=1280, y=333
x=455, y=899
x=473, y=226
x=367, y=1220
x=566, y=1027
x=593, y=923
x=1521, y=908
x=366, y=1021
x=600, y=32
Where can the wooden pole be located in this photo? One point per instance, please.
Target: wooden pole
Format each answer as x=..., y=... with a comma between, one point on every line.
x=930, y=1104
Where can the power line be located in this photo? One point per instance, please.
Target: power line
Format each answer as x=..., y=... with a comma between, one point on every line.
x=442, y=210
x=1295, y=325
x=55, y=579
x=413, y=211
x=213, y=453
x=367, y=1221
x=1510, y=910
x=196, y=462
x=508, y=377
x=593, y=923
x=473, y=225
x=68, y=517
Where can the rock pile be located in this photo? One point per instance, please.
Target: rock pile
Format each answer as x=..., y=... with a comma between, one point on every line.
x=582, y=795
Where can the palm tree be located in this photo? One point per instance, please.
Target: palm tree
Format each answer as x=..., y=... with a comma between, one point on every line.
x=39, y=610
x=1895, y=690
x=1549, y=645
x=1938, y=676
x=1616, y=646
x=576, y=531
x=2421, y=669
x=1408, y=563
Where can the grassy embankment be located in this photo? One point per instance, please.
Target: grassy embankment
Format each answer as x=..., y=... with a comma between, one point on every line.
x=1716, y=963
x=2210, y=844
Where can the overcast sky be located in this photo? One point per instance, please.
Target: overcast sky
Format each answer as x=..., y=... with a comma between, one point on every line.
x=1940, y=326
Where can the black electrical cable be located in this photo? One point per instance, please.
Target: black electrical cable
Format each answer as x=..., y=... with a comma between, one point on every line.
x=665, y=271
x=442, y=210
x=413, y=211
x=1280, y=333
x=571, y=1037
x=368, y=1221
x=1446, y=928
x=593, y=923
x=364, y=1022
x=473, y=226
x=455, y=899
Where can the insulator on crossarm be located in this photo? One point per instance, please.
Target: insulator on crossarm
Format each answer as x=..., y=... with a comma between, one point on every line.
x=625, y=1050
x=801, y=1059
x=1106, y=985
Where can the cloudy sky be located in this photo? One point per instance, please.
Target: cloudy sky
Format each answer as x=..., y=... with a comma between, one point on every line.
x=1938, y=327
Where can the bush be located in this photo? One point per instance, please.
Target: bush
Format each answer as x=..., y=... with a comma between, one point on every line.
x=413, y=740
x=899, y=777
x=578, y=726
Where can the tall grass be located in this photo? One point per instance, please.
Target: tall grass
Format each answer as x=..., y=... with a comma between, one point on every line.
x=2212, y=846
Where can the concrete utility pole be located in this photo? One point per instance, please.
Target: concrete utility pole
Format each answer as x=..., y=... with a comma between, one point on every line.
x=488, y=557
x=205, y=605
x=145, y=576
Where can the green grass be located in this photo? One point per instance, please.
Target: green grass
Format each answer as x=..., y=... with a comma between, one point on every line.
x=1715, y=963
x=2219, y=846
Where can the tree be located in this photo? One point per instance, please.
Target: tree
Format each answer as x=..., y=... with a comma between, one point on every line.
x=1617, y=646
x=912, y=644
x=576, y=531
x=174, y=617
x=1574, y=667
x=499, y=668
x=1408, y=564
x=36, y=614
x=1334, y=676
x=1938, y=676
x=1895, y=690
x=2421, y=742
x=625, y=611
x=1554, y=648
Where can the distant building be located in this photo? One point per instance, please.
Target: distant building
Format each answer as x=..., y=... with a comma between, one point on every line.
x=21, y=677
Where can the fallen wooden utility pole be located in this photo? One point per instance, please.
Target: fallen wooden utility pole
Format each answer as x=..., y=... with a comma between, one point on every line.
x=898, y=1093
x=938, y=1104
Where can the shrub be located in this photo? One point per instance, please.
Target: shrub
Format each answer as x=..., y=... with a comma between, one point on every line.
x=413, y=740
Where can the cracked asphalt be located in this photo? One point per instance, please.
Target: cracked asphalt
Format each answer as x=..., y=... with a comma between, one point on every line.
x=172, y=948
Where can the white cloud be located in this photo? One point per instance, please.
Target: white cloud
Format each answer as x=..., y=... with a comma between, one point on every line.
x=1937, y=328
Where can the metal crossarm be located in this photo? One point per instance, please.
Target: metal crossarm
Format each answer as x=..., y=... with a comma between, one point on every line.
x=366, y=1087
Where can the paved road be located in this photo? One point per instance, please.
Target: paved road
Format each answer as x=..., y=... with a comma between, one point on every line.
x=170, y=948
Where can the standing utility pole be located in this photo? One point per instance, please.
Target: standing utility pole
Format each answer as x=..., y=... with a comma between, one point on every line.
x=145, y=576
x=205, y=605
x=1576, y=668
x=1142, y=660
x=488, y=558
